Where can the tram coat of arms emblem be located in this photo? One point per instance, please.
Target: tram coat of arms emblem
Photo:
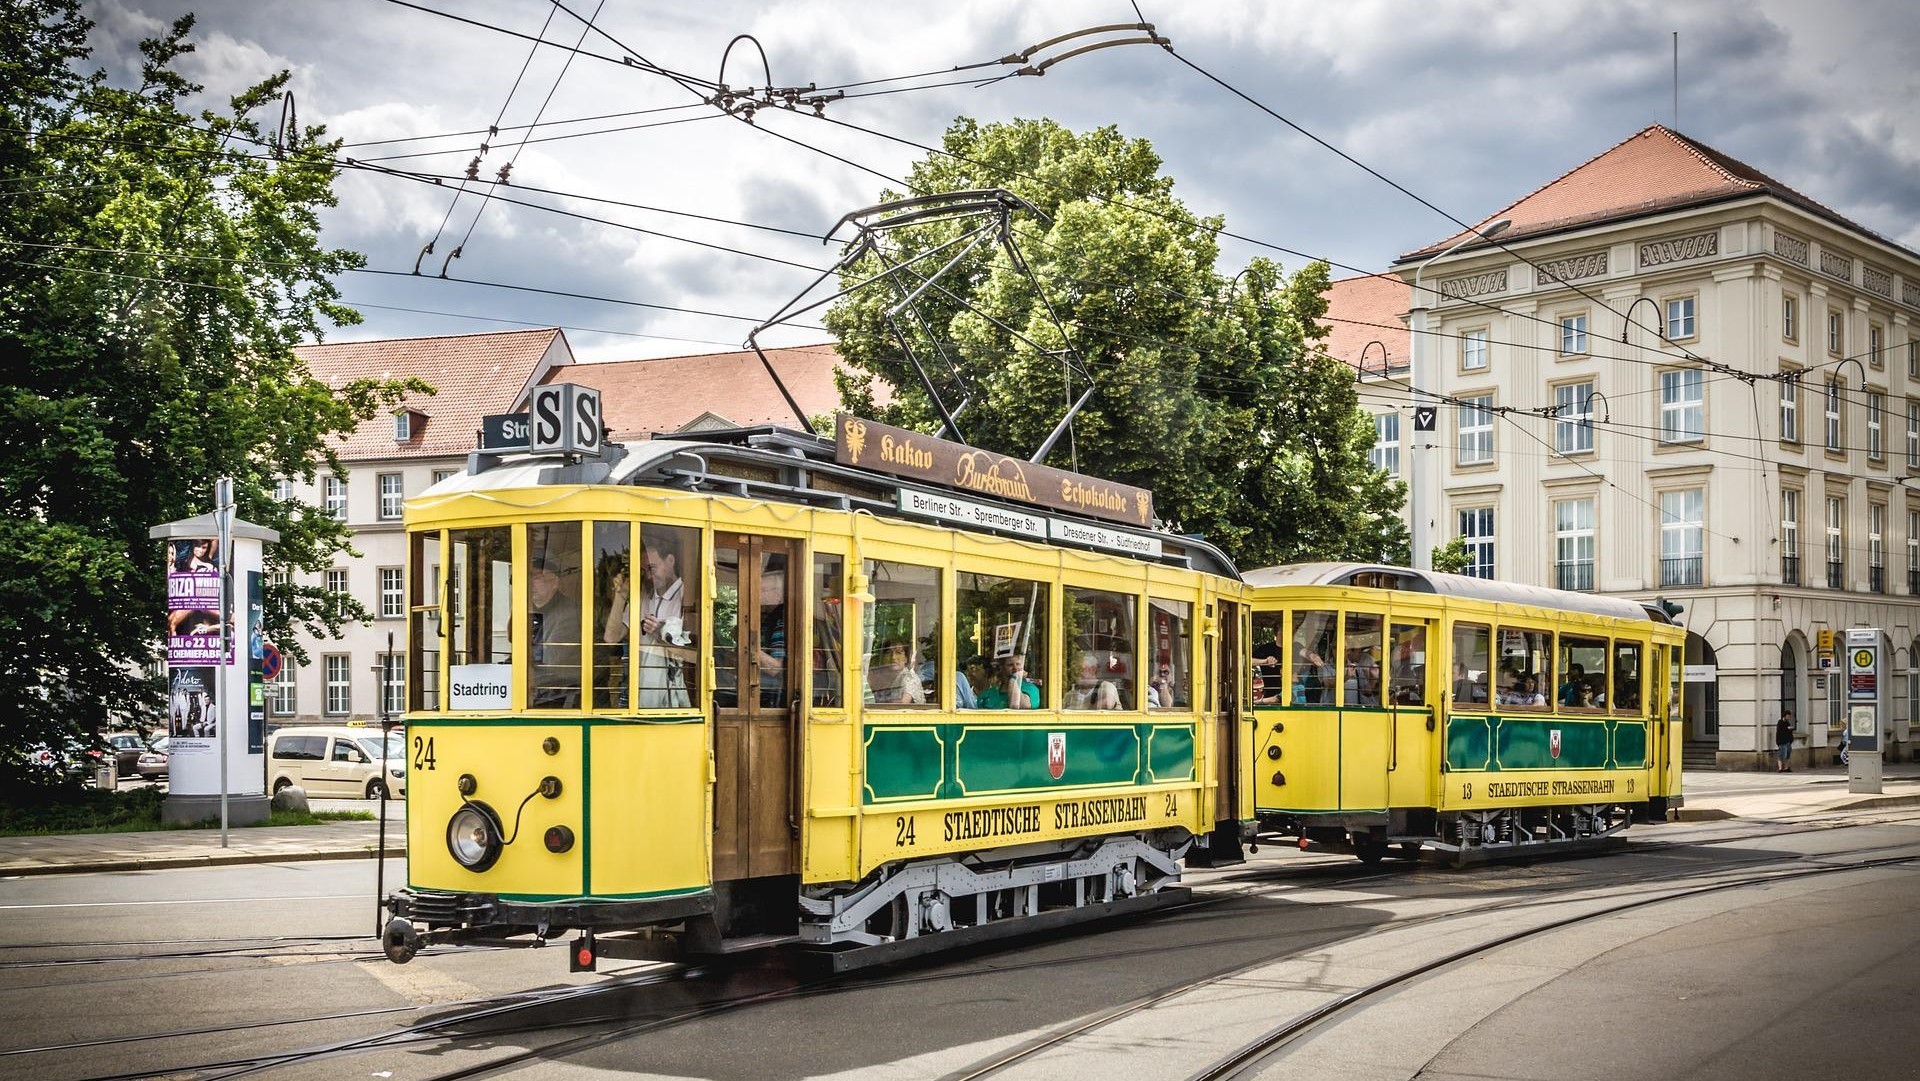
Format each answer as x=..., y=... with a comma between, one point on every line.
x=1056, y=754
x=1553, y=742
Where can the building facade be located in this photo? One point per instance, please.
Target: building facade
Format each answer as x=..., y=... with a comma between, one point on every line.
x=1674, y=377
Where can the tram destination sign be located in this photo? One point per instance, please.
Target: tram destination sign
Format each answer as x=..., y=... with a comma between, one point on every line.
x=886, y=449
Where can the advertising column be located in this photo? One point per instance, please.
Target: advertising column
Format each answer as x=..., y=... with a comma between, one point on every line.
x=215, y=698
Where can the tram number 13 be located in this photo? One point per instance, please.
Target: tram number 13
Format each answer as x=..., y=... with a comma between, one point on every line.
x=903, y=831
x=423, y=753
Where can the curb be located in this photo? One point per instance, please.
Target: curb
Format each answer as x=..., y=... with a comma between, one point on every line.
x=1881, y=801
x=173, y=862
x=1702, y=814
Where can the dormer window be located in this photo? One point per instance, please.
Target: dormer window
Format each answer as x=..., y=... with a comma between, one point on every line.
x=403, y=425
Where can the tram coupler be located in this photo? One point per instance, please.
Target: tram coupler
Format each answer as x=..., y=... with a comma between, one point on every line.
x=401, y=940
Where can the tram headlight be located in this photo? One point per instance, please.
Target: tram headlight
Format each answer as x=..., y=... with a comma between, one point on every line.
x=473, y=836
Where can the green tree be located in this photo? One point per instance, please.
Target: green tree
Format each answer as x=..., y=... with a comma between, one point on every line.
x=1452, y=557
x=1215, y=394
x=156, y=270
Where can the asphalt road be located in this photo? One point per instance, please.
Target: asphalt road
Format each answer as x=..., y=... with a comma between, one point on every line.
x=1715, y=974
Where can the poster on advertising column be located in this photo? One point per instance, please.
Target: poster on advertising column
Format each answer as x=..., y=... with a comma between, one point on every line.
x=256, y=659
x=193, y=712
x=193, y=602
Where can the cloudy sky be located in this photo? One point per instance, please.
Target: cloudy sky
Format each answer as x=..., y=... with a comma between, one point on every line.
x=1470, y=104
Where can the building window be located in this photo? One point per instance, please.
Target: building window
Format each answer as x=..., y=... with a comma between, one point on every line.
x=1913, y=359
x=1682, y=407
x=1476, y=430
x=1476, y=528
x=1790, y=318
x=1789, y=536
x=1913, y=436
x=280, y=693
x=1473, y=350
x=1876, y=409
x=334, y=497
x=393, y=593
x=1573, y=418
x=393, y=684
x=1573, y=543
x=1573, y=334
x=283, y=490
x=1835, y=333
x=339, y=671
x=1385, y=454
x=402, y=426
x=391, y=496
x=1833, y=415
x=1836, y=542
x=1875, y=336
x=1876, y=547
x=1682, y=536
x=1790, y=409
x=1913, y=556
x=442, y=474
x=1679, y=318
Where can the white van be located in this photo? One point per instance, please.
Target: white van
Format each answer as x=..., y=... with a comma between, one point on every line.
x=336, y=761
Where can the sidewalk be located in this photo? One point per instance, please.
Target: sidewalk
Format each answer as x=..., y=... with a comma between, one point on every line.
x=159, y=849
x=1711, y=794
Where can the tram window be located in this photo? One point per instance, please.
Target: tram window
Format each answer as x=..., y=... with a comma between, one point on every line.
x=1524, y=677
x=1099, y=650
x=1169, y=653
x=829, y=629
x=1269, y=675
x=1313, y=675
x=1629, y=679
x=424, y=643
x=1001, y=623
x=1674, y=660
x=612, y=601
x=1472, y=664
x=1583, y=672
x=901, y=635
x=1407, y=679
x=480, y=586
x=553, y=623
x=668, y=603
x=1360, y=671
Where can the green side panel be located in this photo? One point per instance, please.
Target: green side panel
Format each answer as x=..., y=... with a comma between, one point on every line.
x=1527, y=743
x=1630, y=745
x=1469, y=742
x=1169, y=753
x=902, y=763
x=1000, y=759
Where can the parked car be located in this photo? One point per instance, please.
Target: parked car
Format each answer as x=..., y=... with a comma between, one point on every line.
x=152, y=763
x=329, y=760
x=127, y=748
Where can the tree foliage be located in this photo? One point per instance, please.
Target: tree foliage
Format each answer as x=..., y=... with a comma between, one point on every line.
x=1213, y=392
x=1452, y=557
x=156, y=270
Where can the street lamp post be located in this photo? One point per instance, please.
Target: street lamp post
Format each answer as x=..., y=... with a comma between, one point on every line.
x=1420, y=488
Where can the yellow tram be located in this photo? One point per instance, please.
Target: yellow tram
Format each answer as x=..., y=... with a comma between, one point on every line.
x=763, y=687
x=1477, y=718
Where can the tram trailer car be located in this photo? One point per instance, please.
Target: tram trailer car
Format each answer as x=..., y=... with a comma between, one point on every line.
x=1402, y=710
x=705, y=696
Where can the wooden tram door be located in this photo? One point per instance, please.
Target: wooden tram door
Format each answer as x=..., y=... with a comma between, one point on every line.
x=754, y=688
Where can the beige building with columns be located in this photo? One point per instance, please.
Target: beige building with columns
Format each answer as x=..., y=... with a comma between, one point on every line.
x=1745, y=452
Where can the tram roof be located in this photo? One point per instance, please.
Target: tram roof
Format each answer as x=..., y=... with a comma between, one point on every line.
x=1382, y=576
x=766, y=462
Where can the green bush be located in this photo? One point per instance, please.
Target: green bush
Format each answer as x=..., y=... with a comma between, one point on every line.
x=74, y=810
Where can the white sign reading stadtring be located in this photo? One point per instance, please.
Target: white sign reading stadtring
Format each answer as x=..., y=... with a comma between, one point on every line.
x=967, y=512
x=479, y=686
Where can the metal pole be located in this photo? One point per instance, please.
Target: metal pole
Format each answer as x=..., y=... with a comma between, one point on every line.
x=386, y=779
x=1419, y=534
x=223, y=701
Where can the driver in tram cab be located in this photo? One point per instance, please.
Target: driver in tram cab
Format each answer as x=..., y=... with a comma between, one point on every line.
x=553, y=592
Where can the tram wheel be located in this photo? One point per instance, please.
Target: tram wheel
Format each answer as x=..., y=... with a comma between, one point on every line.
x=1410, y=850
x=1370, y=851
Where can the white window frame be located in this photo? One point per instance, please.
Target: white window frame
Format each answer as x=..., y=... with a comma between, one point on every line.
x=1876, y=340
x=1573, y=418
x=1835, y=427
x=1837, y=530
x=1790, y=317
x=1475, y=428
x=1876, y=535
x=1475, y=354
x=1573, y=335
x=1683, y=527
x=337, y=668
x=1790, y=410
x=1913, y=546
x=1385, y=454
x=1790, y=522
x=1680, y=318
x=1876, y=410
x=1573, y=542
x=1480, y=545
x=283, y=490
x=1913, y=358
x=1913, y=433
x=402, y=426
x=1682, y=414
x=334, y=580
x=1836, y=331
x=283, y=694
x=442, y=474
x=393, y=684
x=333, y=490
x=393, y=495
x=392, y=583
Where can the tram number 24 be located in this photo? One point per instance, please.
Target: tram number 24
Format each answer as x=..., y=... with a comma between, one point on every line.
x=423, y=753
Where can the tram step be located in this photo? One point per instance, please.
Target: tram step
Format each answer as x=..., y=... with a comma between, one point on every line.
x=749, y=943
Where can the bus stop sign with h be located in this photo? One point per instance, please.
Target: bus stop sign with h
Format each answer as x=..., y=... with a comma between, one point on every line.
x=1863, y=709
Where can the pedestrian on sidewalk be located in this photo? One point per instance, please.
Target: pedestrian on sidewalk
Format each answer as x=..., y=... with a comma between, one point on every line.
x=1783, y=736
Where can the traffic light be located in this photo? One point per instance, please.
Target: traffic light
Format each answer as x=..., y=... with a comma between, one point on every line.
x=1671, y=608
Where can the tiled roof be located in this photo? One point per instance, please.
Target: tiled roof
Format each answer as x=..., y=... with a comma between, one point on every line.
x=472, y=374
x=1363, y=310
x=1655, y=169
x=644, y=397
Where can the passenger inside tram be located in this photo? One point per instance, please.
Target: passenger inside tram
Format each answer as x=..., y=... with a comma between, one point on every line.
x=1011, y=688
